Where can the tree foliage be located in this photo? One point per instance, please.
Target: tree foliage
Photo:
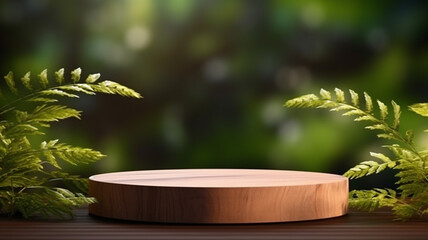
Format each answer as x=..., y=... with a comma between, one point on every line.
x=31, y=179
x=411, y=196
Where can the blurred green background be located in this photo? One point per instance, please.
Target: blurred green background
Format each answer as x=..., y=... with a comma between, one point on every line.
x=215, y=74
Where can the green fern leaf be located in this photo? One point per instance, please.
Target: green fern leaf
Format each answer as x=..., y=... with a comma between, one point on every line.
x=77, y=88
x=327, y=104
x=381, y=157
x=370, y=200
x=42, y=100
x=75, y=75
x=10, y=82
x=59, y=76
x=383, y=110
x=369, y=103
x=404, y=211
x=306, y=101
x=363, y=118
x=354, y=98
x=409, y=136
x=49, y=202
x=49, y=156
x=110, y=87
x=73, y=155
x=397, y=114
x=340, y=95
x=92, y=78
x=43, y=77
x=27, y=179
x=409, y=172
x=367, y=168
x=326, y=95
x=342, y=107
x=353, y=113
x=413, y=189
x=20, y=130
x=26, y=81
x=57, y=92
x=381, y=167
x=382, y=127
x=411, y=197
x=391, y=193
x=52, y=113
x=420, y=108
x=73, y=182
x=388, y=136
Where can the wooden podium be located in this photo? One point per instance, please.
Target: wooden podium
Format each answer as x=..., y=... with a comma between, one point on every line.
x=224, y=196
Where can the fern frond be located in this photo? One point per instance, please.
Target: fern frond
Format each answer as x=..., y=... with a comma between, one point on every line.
x=404, y=211
x=354, y=112
x=340, y=95
x=383, y=109
x=370, y=200
x=420, y=108
x=29, y=171
x=50, y=202
x=75, y=75
x=42, y=100
x=354, y=98
x=397, y=115
x=388, y=136
x=363, y=118
x=22, y=129
x=73, y=182
x=92, y=78
x=410, y=171
x=59, y=76
x=409, y=136
x=379, y=126
x=78, y=88
x=342, y=107
x=56, y=92
x=10, y=82
x=326, y=95
x=413, y=189
x=110, y=87
x=43, y=77
x=411, y=164
x=305, y=101
x=369, y=103
x=401, y=152
x=26, y=81
x=369, y=167
x=52, y=113
x=73, y=155
x=50, y=94
x=381, y=157
x=353, y=109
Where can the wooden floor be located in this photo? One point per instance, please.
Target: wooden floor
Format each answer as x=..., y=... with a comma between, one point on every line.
x=355, y=225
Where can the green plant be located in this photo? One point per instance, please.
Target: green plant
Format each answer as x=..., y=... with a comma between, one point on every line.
x=31, y=179
x=411, y=196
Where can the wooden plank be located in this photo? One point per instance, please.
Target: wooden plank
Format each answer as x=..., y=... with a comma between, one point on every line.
x=218, y=195
x=355, y=225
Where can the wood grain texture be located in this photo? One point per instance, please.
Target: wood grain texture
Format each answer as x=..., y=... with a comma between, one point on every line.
x=218, y=195
x=378, y=225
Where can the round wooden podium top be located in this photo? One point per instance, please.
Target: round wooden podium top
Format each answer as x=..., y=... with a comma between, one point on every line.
x=218, y=195
x=216, y=178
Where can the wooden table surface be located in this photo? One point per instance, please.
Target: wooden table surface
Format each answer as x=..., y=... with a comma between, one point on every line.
x=355, y=225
